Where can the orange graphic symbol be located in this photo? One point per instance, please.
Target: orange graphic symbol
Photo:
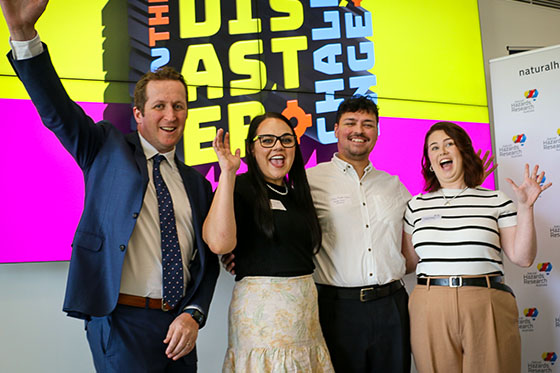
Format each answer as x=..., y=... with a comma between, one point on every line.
x=293, y=110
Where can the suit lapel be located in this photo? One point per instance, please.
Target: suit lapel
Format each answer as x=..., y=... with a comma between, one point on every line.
x=139, y=156
x=192, y=188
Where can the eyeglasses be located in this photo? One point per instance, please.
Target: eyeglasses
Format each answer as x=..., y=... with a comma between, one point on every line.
x=268, y=141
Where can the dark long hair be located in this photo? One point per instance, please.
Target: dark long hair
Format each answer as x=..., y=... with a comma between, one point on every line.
x=472, y=164
x=296, y=181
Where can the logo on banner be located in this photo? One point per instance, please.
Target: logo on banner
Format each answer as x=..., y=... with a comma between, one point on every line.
x=544, y=365
x=533, y=93
x=553, y=142
x=526, y=105
x=514, y=150
x=549, y=356
x=526, y=322
x=555, y=231
x=539, y=278
x=519, y=139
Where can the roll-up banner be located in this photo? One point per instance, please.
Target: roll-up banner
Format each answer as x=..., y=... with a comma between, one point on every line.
x=526, y=105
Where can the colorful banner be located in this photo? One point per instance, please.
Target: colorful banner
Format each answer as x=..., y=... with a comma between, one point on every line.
x=525, y=99
x=420, y=61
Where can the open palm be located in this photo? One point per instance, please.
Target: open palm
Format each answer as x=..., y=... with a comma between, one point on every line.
x=228, y=161
x=528, y=192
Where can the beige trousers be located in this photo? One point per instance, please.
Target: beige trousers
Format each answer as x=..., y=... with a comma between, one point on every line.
x=468, y=329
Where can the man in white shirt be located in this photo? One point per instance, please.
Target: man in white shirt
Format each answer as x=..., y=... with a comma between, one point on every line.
x=140, y=275
x=363, y=306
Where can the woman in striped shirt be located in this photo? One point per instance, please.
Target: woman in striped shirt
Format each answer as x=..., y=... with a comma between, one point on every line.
x=463, y=317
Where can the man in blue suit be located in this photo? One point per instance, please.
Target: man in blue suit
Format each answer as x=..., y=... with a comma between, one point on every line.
x=117, y=278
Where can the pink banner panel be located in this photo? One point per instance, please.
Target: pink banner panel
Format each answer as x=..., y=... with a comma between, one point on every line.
x=42, y=188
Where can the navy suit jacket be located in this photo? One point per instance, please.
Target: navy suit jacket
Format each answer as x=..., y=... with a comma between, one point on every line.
x=116, y=178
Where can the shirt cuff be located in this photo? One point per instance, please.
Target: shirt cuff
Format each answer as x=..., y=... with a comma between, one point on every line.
x=23, y=50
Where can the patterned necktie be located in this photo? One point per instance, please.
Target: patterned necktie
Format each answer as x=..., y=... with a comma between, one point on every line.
x=172, y=264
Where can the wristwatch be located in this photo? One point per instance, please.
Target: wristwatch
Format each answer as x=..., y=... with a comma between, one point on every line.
x=196, y=315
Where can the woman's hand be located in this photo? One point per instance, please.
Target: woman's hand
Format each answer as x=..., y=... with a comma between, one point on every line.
x=487, y=164
x=528, y=192
x=229, y=162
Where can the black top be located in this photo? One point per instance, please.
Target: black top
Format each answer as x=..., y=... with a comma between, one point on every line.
x=288, y=254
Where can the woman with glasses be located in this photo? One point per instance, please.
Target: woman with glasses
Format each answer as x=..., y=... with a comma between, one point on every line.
x=267, y=219
x=463, y=317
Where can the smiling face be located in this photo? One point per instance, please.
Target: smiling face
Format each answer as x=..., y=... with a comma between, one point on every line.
x=165, y=112
x=357, y=134
x=275, y=162
x=446, y=160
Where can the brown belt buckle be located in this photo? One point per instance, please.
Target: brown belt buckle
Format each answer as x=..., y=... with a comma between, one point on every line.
x=363, y=294
x=164, y=306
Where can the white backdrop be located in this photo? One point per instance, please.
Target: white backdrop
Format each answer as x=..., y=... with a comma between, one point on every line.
x=526, y=106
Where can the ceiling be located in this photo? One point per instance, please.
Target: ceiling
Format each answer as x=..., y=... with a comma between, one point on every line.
x=548, y=3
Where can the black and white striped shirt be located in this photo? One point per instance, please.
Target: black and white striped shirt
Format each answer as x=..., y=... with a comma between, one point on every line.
x=462, y=237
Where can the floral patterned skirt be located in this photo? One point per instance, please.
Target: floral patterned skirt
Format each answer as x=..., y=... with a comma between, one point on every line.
x=274, y=327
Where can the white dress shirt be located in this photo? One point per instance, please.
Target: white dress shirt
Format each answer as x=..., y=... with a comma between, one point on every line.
x=361, y=220
x=142, y=270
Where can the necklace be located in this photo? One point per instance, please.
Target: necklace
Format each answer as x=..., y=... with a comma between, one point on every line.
x=447, y=202
x=277, y=191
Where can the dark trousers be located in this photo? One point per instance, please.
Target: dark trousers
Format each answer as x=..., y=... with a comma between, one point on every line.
x=371, y=336
x=130, y=339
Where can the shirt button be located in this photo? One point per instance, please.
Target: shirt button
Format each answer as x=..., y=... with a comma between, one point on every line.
x=367, y=226
x=122, y=247
x=363, y=203
x=135, y=215
x=371, y=274
x=369, y=249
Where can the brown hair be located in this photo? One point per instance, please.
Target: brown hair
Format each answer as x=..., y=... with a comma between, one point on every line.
x=472, y=164
x=163, y=73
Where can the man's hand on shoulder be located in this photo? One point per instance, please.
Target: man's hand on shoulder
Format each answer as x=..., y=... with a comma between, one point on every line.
x=228, y=262
x=21, y=17
x=181, y=336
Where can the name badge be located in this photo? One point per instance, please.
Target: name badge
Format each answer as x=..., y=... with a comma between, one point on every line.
x=429, y=218
x=277, y=205
x=340, y=200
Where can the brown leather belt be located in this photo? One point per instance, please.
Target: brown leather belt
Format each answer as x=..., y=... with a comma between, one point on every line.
x=143, y=302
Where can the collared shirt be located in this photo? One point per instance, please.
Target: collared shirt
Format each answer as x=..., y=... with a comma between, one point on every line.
x=361, y=222
x=142, y=273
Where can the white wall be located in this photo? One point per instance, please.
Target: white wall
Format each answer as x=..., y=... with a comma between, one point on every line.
x=35, y=336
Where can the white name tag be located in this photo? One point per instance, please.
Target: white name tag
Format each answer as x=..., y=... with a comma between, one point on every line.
x=429, y=218
x=277, y=205
x=340, y=200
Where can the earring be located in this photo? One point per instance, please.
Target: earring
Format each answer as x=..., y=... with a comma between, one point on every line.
x=431, y=169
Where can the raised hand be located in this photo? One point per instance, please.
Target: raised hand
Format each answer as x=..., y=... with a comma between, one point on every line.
x=528, y=192
x=486, y=164
x=21, y=17
x=228, y=162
